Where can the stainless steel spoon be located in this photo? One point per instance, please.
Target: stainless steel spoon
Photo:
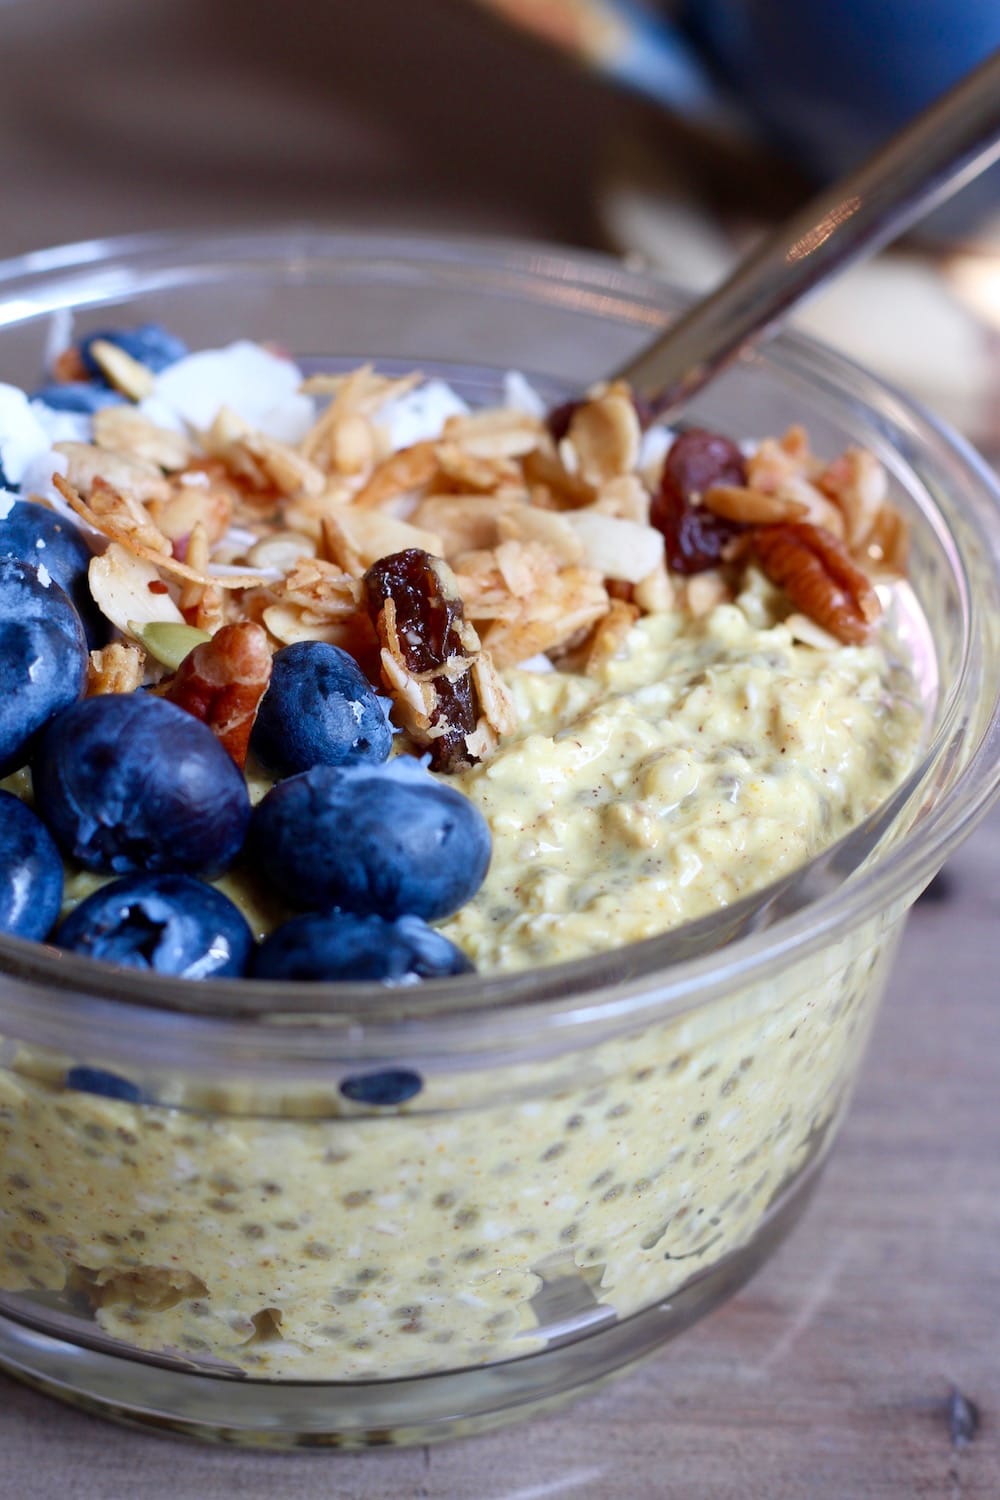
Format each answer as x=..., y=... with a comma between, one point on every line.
x=944, y=148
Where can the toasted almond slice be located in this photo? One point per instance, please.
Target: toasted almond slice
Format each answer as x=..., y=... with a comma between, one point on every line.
x=498, y=432
x=399, y=474
x=289, y=623
x=858, y=484
x=281, y=550
x=737, y=502
x=123, y=429
x=364, y=536
x=287, y=470
x=120, y=583
x=126, y=374
x=352, y=444
x=473, y=472
x=605, y=436
x=192, y=505
x=617, y=548
x=465, y=523
x=114, y=524
x=133, y=477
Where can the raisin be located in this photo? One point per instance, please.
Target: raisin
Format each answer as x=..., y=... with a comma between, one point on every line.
x=429, y=629
x=694, y=538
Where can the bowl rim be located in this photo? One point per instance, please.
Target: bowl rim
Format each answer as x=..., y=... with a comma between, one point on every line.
x=610, y=988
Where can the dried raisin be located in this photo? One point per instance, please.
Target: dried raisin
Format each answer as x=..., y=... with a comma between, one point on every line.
x=694, y=538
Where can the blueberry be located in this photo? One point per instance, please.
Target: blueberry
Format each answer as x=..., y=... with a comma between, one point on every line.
x=39, y=536
x=43, y=657
x=129, y=782
x=171, y=924
x=149, y=343
x=319, y=710
x=385, y=839
x=5, y=483
x=392, y=1086
x=341, y=945
x=77, y=395
x=108, y=1085
x=31, y=872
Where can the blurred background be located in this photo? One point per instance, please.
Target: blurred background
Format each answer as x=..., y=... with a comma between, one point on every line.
x=508, y=117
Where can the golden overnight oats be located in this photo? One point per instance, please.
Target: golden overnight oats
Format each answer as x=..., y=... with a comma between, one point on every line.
x=454, y=1231
x=660, y=671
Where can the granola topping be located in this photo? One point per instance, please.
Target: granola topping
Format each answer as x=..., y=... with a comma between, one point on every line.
x=444, y=549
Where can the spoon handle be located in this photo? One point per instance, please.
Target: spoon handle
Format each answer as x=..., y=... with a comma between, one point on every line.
x=945, y=147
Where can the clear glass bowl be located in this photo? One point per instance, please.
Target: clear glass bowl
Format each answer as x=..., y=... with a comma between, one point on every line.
x=600, y=1151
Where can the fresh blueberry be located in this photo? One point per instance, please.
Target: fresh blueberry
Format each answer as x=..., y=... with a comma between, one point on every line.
x=392, y=1086
x=129, y=782
x=31, y=872
x=149, y=343
x=39, y=536
x=43, y=657
x=385, y=839
x=107, y=1085
x=341, y=945
x=171, y=924
x=319, y=710
x=77, y=395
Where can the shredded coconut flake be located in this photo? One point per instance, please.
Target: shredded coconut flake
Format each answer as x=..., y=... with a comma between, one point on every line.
x=261, y=387
x=520, y=395
x=420, y=415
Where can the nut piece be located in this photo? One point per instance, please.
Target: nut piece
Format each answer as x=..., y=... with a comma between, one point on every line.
x=817, y=574
x=222, y=683
x=118, y=668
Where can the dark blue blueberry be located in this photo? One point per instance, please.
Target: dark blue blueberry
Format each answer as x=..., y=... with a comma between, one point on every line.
x=82, y=396
x=129, y=782
x=43, y=657
x=385, y=839
x=31, y=872
x=170, y=924
x=108, y=1085
x=319, y=710
x=149, y=343
x=392, y=1086
x=340, y=945
x=5, y=483
x=39, y=536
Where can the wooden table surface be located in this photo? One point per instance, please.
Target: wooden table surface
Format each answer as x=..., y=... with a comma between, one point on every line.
x=854, y=1365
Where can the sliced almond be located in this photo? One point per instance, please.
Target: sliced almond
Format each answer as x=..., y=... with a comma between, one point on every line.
x=134, y=477
x=120, y=583
x=125, y=430
x=605, y=436
x=617, y=548
x=126, y=374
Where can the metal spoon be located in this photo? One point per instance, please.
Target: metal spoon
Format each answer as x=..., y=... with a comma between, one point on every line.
x=944, y=148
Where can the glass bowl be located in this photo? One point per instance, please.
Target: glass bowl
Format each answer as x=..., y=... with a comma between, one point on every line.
x=597, y=1153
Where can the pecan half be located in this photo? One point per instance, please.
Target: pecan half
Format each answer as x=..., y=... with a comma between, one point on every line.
x=222, y=682
x=816, y=572
x=429, y=653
